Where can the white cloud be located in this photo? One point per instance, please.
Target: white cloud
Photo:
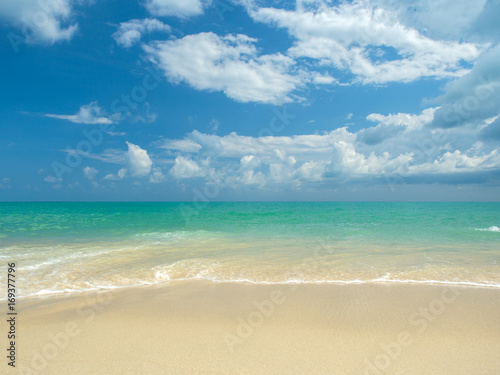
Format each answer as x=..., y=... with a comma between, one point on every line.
x=214, y=123
x=312, y=170
x=88, y=114
x=321, y=79
x=247, y=173
x=390, y=125
x=460, y=162
x=230, y=64
x=137, y=163
x=492, y=130
x=138, y=160
x=90, y=172
x=414, y=151
x=40, y=21
x=176, y=8
x=52, y=179
x=363, y=41
x=130, y=32
x=251, y=177
x=249, y=161
x=122, y=172
x=186, y=168
x=367, y=41
x=110, y=155
x=5, y=184
x=263, y=160
x=439, y=19
x=185, y=145
x=474, y=97
x=156, y=176
x=404, y=119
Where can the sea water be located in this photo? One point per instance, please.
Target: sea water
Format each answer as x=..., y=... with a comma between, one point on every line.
x=71, y=247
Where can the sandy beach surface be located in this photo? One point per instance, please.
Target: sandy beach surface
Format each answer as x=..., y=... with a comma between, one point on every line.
x=201, y=327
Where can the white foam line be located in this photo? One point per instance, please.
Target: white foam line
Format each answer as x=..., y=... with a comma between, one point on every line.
x=356, y=281
x=490, y=229
x=65, y=258
x=47, y=292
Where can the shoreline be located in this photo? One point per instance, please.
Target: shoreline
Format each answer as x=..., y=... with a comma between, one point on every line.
x=202, y=327
x=75, y=293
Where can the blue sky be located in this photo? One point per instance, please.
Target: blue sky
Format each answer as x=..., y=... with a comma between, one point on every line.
x=199, y=100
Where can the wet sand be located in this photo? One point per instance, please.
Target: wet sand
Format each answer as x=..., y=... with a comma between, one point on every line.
x=201, y=327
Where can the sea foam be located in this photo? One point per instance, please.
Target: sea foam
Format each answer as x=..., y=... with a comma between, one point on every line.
x=490, y=229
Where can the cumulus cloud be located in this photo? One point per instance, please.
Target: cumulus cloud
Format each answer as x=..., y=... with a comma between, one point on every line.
x=176, y=8
x=486, y=26
x=138, y=160
x=492, y=130
x=186, y=168
x=274, y=160
x=459, y=162
x=230, y=64
x=415, y=149
x=46, y=21
x=131, y=32
x=474, y=97
x=156, y=176
x=367, y=41
x=88, y=114
x=122, y=172
x=390, y=125
x=90, y=172
x=441, y=19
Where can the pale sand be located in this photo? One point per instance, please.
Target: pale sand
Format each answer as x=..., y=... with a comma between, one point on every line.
x=185, y=328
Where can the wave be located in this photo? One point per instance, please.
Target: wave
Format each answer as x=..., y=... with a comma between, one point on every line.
x=165, y=280
x=217, y=271
x=102, y=268
x=64, y=259
x=162, y=235
x=174, y=236
x=490, y=229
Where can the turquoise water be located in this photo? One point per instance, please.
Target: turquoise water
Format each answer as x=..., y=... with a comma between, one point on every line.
x=80, y=246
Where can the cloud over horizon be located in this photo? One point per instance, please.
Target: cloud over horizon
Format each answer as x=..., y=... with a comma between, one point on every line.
x=339, y=155
x=379, y=90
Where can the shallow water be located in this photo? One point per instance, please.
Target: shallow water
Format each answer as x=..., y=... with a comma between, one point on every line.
x=67, y=247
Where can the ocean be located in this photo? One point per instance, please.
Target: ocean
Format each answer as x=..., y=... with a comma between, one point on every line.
x=73, y=247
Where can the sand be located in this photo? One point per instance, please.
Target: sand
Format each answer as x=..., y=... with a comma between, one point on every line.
x=201, y=327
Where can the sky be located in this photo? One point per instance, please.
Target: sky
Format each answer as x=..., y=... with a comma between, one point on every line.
x=250, y=100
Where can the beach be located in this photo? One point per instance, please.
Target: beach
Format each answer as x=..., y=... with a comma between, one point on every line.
x=197, y=187
x=202, y=327
x=252, y=288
